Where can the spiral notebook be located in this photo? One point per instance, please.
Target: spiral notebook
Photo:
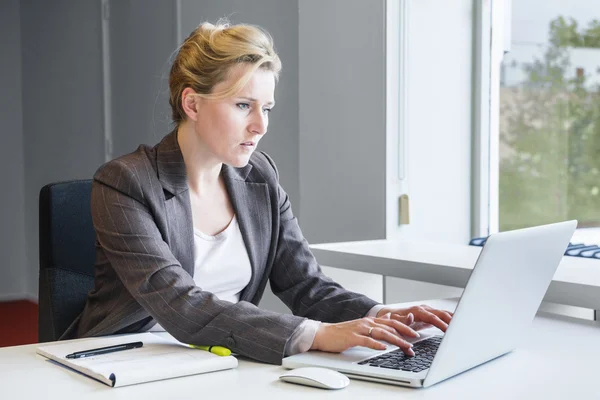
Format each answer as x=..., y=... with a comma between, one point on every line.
x=159, y=358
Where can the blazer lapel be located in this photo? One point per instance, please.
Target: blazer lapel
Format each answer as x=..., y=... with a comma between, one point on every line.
x=173, y=178
x=252, y=205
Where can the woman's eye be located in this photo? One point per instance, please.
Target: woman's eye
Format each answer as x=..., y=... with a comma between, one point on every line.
x=266, y=110
x=243, y=106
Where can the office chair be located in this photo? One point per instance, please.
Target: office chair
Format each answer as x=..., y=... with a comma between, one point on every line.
x=67, y=255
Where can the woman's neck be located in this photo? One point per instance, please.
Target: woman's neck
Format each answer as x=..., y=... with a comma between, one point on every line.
x=202, y=169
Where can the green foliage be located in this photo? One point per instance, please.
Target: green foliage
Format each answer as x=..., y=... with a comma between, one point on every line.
x=550, y=136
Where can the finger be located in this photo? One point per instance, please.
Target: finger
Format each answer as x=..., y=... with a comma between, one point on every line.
x=405, y=319
x=383, y=326
x=419, y=326
x=444, y=315
x=423, y=315
x=381, y=334
x=369, y=342
x=401, y=328
x=408, y=331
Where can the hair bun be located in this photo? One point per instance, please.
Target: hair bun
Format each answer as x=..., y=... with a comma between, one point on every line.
x=206, y=56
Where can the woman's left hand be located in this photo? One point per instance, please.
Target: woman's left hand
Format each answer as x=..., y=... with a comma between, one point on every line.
x=418, y=317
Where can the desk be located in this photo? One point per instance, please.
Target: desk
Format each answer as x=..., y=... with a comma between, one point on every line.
x=547, y=366
x=576, y=282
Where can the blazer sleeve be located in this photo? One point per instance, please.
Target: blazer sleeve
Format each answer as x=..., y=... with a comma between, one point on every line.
x=296, y=276
x=144, y=263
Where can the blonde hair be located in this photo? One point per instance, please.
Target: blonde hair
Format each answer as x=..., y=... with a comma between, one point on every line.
x=206, y=57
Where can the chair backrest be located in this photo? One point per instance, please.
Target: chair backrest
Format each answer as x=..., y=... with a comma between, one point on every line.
x=67, y=255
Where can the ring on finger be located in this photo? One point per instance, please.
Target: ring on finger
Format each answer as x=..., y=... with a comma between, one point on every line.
x=370, y=330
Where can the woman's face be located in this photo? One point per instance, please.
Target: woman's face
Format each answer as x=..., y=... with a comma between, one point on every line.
x=232, y=127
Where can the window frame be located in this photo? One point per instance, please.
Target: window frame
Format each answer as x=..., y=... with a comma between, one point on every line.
x=492, y=40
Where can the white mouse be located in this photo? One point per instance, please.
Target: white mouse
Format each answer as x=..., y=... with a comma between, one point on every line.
x=323, y=378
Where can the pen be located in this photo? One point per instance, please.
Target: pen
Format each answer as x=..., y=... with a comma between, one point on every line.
x=218, y=350
x=105, y=350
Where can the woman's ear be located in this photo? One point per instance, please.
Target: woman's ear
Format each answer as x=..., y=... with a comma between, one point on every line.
x=189, y=103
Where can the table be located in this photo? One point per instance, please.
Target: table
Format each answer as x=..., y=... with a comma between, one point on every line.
x=556, y=361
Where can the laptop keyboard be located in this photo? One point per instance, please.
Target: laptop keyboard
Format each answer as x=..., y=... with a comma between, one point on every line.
x=424, y=352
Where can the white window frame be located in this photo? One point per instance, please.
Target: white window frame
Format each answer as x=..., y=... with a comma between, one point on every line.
x=399, y=16
x=397, y=115
x=493, y=24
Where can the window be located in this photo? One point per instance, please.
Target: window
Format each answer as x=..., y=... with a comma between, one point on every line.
x=549, y=135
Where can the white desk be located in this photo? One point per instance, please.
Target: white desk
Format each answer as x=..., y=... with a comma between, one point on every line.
x=576, y=282
x=558, y=360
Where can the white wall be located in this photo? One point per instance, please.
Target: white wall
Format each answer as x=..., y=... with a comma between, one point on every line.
x=440, y=64
x=13, y=283
x=438, y=135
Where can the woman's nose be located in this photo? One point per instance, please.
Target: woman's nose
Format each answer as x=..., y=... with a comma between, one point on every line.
x=259, y=124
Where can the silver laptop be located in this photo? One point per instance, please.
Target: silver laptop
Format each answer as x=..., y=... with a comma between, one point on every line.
x=507, y=285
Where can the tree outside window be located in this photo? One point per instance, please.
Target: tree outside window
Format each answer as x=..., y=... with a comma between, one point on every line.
x=550, y=129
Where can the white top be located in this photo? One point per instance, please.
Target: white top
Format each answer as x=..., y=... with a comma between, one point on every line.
x=221, y=264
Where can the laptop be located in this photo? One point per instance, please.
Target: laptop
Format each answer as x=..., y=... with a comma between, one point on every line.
x=507, y=284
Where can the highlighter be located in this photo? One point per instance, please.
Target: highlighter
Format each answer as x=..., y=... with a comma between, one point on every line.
x=218, y=350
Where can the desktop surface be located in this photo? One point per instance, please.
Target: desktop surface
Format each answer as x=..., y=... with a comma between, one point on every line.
x=557, y=360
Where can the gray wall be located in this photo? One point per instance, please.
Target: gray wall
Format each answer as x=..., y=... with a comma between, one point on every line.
x=280, y=18
x=142, y=39
x=342, y=120
x=12, y=210
x=62, y=101
x=330, y=151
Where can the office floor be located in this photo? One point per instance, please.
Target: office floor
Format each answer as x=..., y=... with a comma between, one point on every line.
x=19, y=323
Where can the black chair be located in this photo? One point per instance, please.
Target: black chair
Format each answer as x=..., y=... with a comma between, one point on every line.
x=67, y=255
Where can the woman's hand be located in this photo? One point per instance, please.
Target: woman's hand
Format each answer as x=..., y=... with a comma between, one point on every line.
x=419, y=317
x=366, y=332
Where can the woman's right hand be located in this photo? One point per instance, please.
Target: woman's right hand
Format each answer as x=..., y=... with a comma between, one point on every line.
x=365, y=332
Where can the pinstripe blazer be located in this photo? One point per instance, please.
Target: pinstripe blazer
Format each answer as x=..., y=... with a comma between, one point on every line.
x=145, y=258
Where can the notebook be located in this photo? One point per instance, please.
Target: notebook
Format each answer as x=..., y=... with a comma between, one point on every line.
x=159, y=358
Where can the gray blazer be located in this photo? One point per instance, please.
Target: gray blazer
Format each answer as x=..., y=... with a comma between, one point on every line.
x=145, y=258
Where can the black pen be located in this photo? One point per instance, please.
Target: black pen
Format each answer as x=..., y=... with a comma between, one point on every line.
x=104, y=350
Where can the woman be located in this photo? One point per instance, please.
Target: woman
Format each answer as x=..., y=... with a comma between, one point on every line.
x=190, y=231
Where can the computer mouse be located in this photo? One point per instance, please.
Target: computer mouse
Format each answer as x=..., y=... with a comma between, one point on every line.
x=323, y=378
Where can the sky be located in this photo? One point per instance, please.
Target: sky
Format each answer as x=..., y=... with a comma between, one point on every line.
x=530, y=22
x=531, y=18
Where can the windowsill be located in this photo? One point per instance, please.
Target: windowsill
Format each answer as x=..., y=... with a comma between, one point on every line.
x=575, y=283
x=588, y=236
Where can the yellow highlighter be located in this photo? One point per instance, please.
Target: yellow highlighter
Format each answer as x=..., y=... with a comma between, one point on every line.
x=218, y=350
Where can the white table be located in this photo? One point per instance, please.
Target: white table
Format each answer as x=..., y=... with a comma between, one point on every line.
x=576, y=282
x=558, y=360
